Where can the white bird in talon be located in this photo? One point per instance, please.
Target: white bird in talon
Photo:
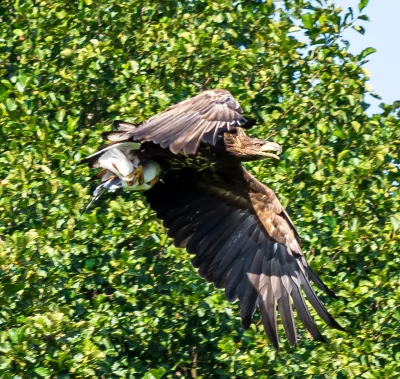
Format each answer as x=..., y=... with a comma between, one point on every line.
x=121, y=168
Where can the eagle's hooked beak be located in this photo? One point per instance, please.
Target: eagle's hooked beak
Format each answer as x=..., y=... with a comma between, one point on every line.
x=271, y=146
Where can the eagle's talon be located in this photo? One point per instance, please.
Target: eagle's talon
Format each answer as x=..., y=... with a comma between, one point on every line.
x=137, y=176
x=154, y=181
x=140, y=171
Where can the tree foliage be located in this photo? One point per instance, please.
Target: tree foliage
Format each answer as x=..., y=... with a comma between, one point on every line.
x=106, y=294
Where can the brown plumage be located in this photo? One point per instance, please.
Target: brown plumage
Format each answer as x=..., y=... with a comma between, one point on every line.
x=241, y=237
x=184, y=125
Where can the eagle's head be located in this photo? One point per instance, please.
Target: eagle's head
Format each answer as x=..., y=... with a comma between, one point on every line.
x=246, y=148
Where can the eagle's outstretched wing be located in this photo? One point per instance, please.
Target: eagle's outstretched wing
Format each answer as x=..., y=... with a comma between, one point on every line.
x=243, y=241
x=184, y=125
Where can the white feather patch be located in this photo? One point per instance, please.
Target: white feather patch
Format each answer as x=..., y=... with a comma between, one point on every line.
x=117, y=162
x=121, y=146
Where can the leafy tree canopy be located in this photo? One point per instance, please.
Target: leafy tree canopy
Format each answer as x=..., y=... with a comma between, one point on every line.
x=106, y=294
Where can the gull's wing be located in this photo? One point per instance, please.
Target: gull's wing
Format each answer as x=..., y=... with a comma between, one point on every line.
x=184, y=125
x=243, y=241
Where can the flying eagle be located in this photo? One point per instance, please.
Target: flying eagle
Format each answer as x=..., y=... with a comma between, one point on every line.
x=188, y=161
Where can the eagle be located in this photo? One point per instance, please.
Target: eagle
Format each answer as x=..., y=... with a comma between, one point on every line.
x=187, y=160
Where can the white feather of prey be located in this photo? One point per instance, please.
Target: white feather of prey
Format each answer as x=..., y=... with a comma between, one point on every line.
x=117, y=162
x=128, y=148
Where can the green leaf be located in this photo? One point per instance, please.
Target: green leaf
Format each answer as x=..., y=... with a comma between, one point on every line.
x=134, y=66
x=359, y=29
x=60, y=115
x=322, y=126
x=42, y=372
x=249, y=372
x=367, y=51
x=90, y=263
x=331, y=221
x=155, y=373
x=342, y=155
x=17, y=334
x=356, y=126
x=364, y=17
x=11, y=105
x=30, y=236
x=276, y=115
x=307, y=20
x=66, y=52
x=61, y=14
x=18, y=32
x=20, y=87
x=362, y=4
x=219, y=18
x=24, y=80
x=351, y=100
x=395, y=220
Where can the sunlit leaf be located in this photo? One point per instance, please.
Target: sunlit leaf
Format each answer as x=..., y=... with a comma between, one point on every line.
x=362, y=4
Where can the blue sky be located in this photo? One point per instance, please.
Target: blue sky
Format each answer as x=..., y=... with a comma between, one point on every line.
x=382, y=33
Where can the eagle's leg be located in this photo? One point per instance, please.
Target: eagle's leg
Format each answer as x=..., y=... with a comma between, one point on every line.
x=137, y=175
